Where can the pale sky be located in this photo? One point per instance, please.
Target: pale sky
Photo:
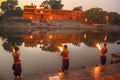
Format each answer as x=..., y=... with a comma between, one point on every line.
x=106, y=5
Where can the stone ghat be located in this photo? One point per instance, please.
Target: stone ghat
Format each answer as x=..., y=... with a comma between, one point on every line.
x=115, y=57
x=106, y=72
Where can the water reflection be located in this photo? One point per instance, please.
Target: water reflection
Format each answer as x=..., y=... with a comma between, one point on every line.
x=97, y=71
x=36, y=50
x=11, y=41
x=51, y=41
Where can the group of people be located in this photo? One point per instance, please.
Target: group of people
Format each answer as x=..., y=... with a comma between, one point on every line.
x=65, y=59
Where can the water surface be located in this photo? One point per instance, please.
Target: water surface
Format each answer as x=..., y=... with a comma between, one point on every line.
x=40, y=52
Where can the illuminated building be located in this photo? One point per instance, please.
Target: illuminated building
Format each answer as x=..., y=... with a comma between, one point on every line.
x=32, y=12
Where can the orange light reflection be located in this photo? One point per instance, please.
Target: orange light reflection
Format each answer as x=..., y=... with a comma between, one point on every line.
x=105, y=38
x=61, y=74
x=97, y=71
x=85, y=36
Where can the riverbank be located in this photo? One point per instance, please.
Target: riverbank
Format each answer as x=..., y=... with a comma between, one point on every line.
x=20, y=27
x=107, y=72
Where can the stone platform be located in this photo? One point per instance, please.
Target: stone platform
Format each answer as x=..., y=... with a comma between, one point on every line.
x=107, y=72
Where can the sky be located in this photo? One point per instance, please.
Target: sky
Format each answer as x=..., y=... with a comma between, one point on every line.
x=106, y=5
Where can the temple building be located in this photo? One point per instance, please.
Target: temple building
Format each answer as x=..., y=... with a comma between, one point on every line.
x=32, y=12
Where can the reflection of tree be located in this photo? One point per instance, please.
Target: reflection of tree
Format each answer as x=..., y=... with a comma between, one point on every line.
x=55, y=42
x=76, y=44
x=6, y=46
x=52, y=47
x=113, y=37
x=48, y=43
x=92, y=38
x=77, y=38
x=12, y=42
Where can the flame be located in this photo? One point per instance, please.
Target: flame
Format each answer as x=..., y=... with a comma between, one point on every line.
x=98, y=46
x=41, y=11
x=31, y=36
x=60, y=48
x=13, y=50
x=50, y=36
x=50, y=18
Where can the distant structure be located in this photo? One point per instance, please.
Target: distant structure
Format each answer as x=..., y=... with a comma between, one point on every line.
x=32, y=12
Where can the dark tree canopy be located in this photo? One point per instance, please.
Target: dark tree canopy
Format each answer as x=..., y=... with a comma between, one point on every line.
x=79, y=8
x=53, y=4
x=114, y=18
x=9, y=5
x=95, y=15
x=10, y=8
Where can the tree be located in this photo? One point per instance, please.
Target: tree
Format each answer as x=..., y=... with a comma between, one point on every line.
x=95, y=15
x=53, y=4
x=79, y=8
x=9, y=5
x=46, y=5
x=114, y=18
x=18, y=11
x=10, y=8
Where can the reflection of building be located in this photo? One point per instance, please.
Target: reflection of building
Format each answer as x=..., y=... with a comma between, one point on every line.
x=44, y=39
x=48, y=41
x=34, y=40
x=32, y=12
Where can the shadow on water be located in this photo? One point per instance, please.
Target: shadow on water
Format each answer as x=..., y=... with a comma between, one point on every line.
x=51, y=41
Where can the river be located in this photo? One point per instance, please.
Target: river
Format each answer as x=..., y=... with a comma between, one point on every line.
x=40, y=53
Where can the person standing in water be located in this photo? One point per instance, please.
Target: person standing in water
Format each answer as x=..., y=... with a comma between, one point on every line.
x=103, y=54
x=65, y=58
x=17, y=62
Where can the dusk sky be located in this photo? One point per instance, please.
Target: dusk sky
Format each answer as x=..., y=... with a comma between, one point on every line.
x=106, y=5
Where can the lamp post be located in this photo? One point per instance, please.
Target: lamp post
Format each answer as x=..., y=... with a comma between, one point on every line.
x=86, y=21
x=107, y=20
